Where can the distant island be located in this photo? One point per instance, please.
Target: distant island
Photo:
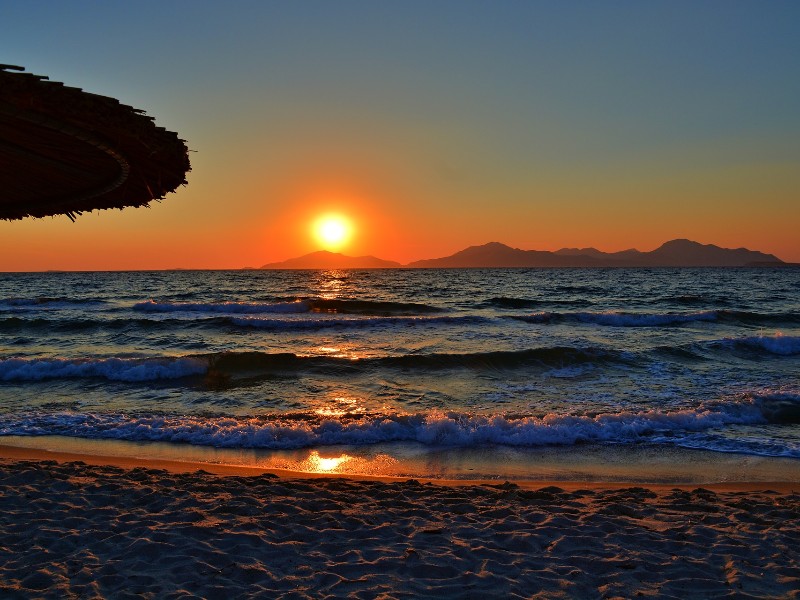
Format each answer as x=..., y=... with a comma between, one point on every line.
x=333, y=260
x=675, y=253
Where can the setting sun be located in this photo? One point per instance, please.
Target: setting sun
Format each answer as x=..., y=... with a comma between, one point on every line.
x=332, y=231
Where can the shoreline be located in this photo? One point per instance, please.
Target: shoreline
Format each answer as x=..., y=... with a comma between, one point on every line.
x=159, y=530
x=14, y=454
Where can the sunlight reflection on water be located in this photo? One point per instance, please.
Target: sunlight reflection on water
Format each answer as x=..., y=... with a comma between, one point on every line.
x=332, y=283
x=380, y=464
x=318, y=464
x=341, y=406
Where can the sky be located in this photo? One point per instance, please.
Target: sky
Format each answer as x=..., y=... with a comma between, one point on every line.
x=430, y=126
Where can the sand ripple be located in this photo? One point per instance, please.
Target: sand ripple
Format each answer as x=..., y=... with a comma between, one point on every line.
x=78, y=531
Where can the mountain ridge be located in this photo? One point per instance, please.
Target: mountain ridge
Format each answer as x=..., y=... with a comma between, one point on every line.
x=323, y=259
x=673, y=253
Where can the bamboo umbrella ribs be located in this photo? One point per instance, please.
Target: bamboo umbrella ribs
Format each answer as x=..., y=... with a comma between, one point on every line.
x=66, y=151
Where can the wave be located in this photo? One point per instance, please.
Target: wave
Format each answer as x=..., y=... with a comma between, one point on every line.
x=11, y=324
x=47, y=303
x=619, y=319
x=754, y=318
x=552, y=356
x=371, y=307
x=264, y=363
x=365, y=307
x=112, y=369
x=518, y=303
x=752, y=346
x=222, y=320
x=780, y=408
x=628, y=319
x=431, y=429
x=778, y=344
x=306, y=324
x=691, y=300
x=299, y=306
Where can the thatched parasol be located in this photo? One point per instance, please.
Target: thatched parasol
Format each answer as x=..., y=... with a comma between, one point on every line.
x=65, y=151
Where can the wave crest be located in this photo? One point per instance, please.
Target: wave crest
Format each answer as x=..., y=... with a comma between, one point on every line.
x=620, y=319
x=113, y=369
x=321, y=305
x=432, y=429
x=784, y=345
x=47, y=303
x=629, y=319
x=299, y=306
x=512, y=303
x=351, y=323
x=371, y=307
x=265, y=363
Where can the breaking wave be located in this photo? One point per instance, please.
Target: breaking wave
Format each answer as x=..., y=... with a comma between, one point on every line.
x=432, y=429
x=778, y=344
x=113, y=369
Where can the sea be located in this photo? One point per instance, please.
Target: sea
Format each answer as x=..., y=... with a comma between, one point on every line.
x=635, y=374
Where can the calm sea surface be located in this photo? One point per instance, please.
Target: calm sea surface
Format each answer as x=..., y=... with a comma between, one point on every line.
x=496, y=359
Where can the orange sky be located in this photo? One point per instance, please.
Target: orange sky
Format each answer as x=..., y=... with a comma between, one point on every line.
x=432, y=128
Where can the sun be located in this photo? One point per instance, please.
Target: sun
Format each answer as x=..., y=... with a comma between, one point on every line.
x=332, y=231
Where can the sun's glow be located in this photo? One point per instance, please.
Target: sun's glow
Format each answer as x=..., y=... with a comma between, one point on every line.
x=332, y=231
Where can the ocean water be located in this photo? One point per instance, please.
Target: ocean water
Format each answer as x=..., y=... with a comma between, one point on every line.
x=393, y=363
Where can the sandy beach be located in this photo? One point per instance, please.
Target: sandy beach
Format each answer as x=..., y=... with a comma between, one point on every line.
x=121, y=528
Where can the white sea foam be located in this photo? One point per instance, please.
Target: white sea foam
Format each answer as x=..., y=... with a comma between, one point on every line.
x=434, y=429
x=113, y=369
x=300, y=306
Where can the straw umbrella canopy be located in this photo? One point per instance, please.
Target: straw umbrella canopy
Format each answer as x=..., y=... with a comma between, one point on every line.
x=66, y=151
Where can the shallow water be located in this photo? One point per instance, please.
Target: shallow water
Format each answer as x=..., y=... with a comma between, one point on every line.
x=438, y=360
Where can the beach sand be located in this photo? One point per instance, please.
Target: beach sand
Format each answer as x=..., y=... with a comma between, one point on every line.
x=159, y=529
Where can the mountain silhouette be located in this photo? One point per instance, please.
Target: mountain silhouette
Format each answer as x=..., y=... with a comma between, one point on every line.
x=675, y=253
x=332, y=260
x=495, y=254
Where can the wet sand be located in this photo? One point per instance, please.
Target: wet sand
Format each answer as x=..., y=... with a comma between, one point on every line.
x=161, y=529
x=638, y=464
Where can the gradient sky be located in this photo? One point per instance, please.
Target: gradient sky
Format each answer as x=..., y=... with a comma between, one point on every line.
x=432, y=125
